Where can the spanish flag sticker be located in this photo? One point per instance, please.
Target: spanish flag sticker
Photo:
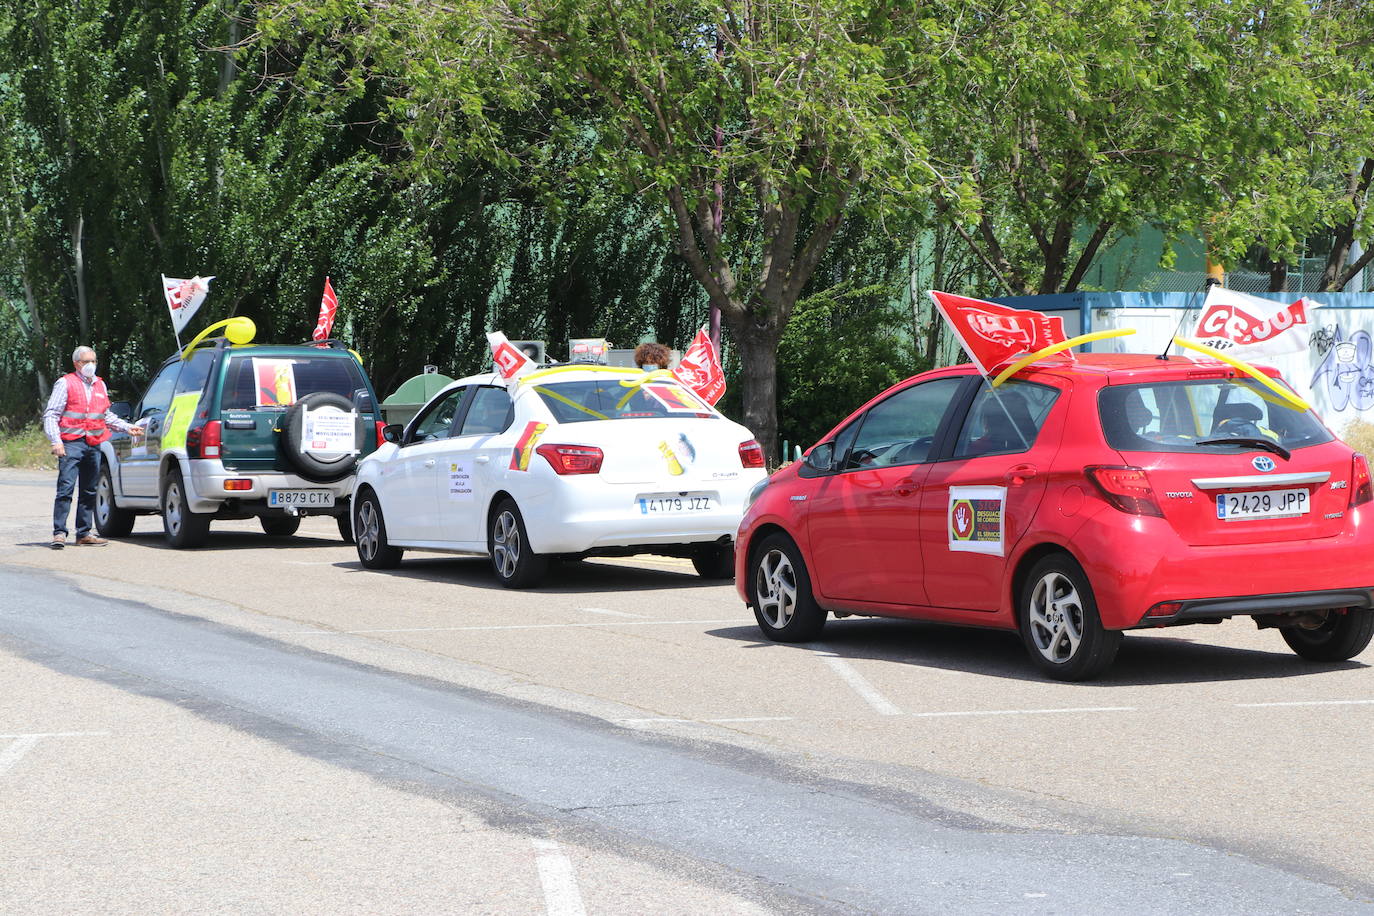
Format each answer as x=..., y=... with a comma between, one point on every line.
x=524, y=448
x=674, y=399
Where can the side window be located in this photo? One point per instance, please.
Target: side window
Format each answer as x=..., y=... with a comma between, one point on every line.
x=159, y=394
x=901, y=429
x=437, y=421
x=1005, y=420
x=491, y=411
x=194, y=372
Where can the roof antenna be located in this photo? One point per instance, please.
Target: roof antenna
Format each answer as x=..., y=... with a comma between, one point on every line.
x=1206, y=288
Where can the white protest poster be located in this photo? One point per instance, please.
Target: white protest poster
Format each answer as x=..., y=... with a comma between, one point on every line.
x=329, y=431
x=459, y=481
x=977, y=520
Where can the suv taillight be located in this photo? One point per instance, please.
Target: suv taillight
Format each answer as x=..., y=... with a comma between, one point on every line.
x=1361, y=489
x=1126, y=488
x=204, y=441
x=751, y=454
x=381, y=439
x=572, y=459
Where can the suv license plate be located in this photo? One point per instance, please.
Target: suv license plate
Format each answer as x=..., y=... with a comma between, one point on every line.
x=1262, y=504
x=675, y=504
x=307, y=499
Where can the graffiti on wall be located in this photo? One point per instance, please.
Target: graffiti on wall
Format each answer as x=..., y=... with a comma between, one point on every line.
x=1344, y=367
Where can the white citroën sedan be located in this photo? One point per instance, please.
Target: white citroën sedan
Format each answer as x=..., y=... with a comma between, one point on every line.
x=569, y=461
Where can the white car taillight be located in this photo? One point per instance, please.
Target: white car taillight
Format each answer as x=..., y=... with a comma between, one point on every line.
x=572, y=459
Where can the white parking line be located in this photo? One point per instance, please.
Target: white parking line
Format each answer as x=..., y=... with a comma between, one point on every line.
x=863, y=688
x=513, y=626
x=610, y=613
x=18, y=748
x=1309, y=703
x=561, y=896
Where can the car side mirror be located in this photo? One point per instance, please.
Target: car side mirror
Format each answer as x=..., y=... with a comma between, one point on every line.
x=392, y=432
x=122, y=409
x=821, y=457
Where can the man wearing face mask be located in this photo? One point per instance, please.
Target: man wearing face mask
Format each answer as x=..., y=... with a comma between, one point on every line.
x=76, y=421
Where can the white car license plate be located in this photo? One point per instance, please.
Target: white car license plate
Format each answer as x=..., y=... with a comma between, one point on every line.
x=305, y=499
x=1262, y=504
x=675, y=503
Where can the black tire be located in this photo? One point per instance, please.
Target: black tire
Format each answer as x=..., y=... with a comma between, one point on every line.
x=310, y=465
x=1059, y=622
x=345, y=523
x=374, y=551
x=183, y=528
x=1340, y=637
x=715, y=561
x=279, y=526
x=780, y=592
x=110, y=520
x=515, y=565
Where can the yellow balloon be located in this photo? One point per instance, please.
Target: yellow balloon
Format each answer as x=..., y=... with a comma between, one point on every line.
x=240, y=330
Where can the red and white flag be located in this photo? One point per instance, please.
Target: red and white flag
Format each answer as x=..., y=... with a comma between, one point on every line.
x=1248, y=327
x=183, y=298
x=699, y=369
x=994, y=335
x=329, y=304
x=509, y=359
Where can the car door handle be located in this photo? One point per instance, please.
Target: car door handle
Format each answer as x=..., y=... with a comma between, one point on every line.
x=1020, y=474
x=905, y=487
x=429, y=463
x=483, y=459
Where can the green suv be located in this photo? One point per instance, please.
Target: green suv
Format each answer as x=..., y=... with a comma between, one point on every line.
x=236, y=430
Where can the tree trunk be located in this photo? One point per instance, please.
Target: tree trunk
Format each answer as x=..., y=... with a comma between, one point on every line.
x=1278, y=276
x=757, y=339
x=79, y=264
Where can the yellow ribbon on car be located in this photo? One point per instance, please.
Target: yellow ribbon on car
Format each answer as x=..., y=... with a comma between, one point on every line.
x=1052, y=349
x=1249, y=370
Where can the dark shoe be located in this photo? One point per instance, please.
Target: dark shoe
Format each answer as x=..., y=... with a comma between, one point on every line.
x=58, y=541
x=90, y=540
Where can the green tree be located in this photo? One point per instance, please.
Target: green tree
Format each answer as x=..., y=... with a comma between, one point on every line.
x=752, y=128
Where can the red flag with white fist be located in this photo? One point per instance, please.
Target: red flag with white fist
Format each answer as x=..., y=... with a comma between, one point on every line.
x=329, y=304
x=699, y=369
x=994, y=335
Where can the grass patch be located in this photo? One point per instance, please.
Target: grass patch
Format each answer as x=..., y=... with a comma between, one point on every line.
x=1359, y=435
x=25, y=448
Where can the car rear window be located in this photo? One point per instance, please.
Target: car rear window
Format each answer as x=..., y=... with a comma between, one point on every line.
x=1182, y=416
x=609, y=399
x=279, y=381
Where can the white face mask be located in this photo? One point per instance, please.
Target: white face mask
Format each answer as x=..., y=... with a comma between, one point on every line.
x=88, y=370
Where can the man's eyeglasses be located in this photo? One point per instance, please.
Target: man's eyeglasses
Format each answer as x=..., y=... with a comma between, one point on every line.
x=87, y=360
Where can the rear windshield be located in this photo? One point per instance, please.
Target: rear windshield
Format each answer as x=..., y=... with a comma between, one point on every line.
x=609, y=399
x=1183, y=416
x=279, y=381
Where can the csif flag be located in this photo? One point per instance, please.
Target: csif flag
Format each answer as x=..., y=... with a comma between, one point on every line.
x=184, y=298
x=994, y=335
x=511, y=362
x=1247, y=327
x=699, y=369
x=329, y=304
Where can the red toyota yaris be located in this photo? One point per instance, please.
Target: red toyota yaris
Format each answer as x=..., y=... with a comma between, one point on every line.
x=1077, y=500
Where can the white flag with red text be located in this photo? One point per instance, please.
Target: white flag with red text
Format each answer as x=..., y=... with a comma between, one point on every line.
x=1249, y=327
x=184, y=298
x=699, y=369
x=511, y=362
x=329, y=304
x=994, y=335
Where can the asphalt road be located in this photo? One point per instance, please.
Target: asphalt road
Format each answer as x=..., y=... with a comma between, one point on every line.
x=263, y=725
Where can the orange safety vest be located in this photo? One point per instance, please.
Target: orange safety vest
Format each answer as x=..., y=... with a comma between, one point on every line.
x=84, y=415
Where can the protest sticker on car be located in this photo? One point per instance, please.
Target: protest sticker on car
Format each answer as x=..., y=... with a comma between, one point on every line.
x=274, y=382
x=976, y=519
x=459, y=481
x=329, y=431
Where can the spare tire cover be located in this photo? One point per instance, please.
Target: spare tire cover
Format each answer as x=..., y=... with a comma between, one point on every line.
x=312, y=464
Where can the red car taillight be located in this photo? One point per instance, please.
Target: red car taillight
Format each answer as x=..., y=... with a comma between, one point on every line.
x=381, y=440
x=1361, y=489
x=751, y=454
x=572, y=459
x=1126, y=488
x=204, y=441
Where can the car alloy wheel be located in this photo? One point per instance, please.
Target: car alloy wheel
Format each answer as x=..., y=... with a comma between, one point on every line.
x=1056, y=618
x=1059, y=622
x=110, y=520
x=505, y=544
x=775, y=588
x=182, y=527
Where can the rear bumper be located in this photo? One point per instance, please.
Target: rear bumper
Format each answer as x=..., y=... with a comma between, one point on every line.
x=207, y=493
x=1133, y=571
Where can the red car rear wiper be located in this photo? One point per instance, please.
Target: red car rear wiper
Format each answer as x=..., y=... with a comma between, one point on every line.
x=1268, y=445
